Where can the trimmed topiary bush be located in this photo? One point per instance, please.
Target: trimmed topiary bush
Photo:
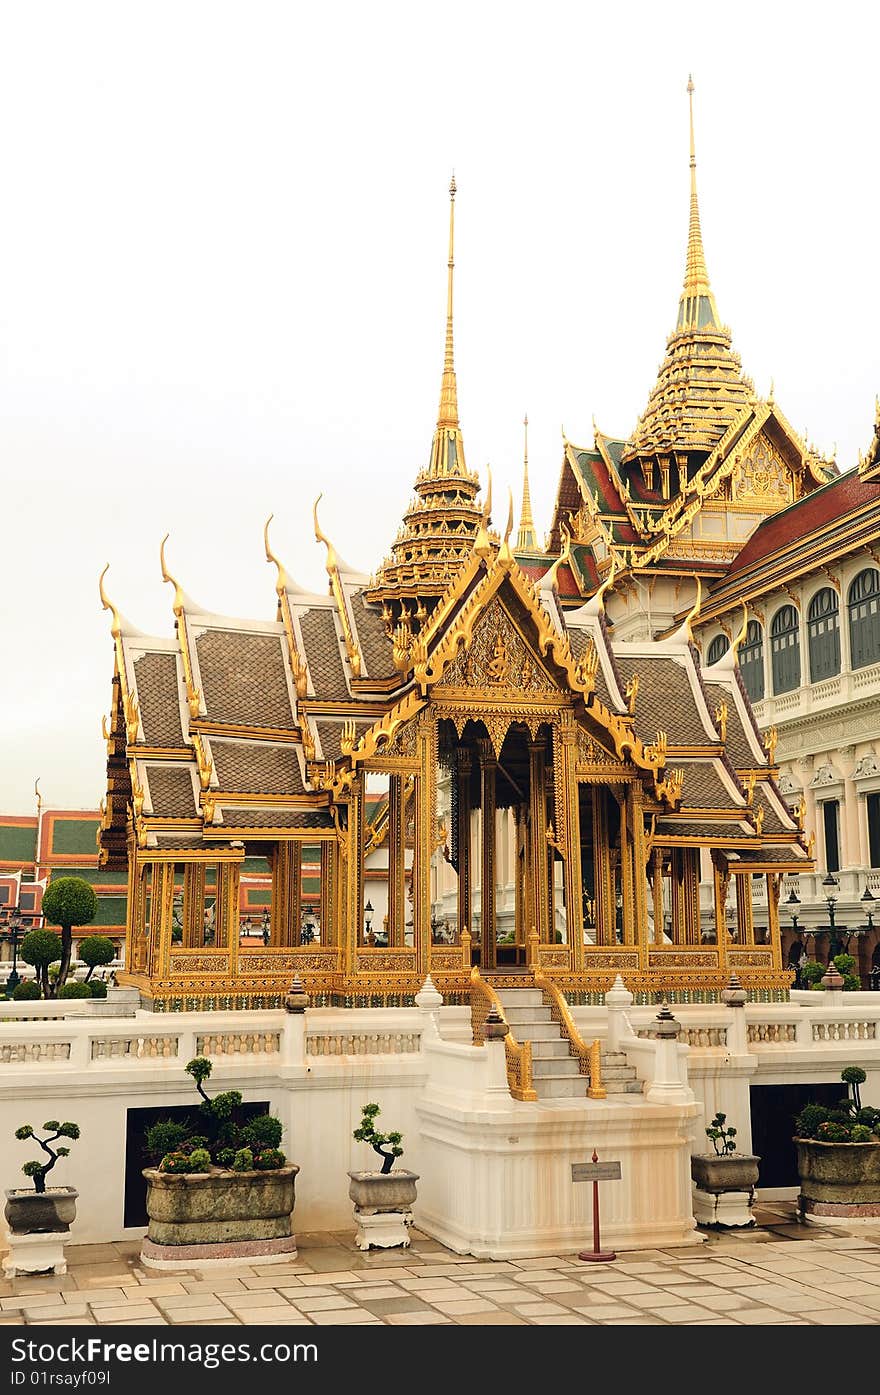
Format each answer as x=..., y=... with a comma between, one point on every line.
x=94, y=951
x=262, y=1132
x=35, y=1168
x=243, y=1161
x=68, y=901
x=163, y=1137
x=75, y=990
x=40, y=948
x=26, y=991
x=268, y=1159
x=97, y=988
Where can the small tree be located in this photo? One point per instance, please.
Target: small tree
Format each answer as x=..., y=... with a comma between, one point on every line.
x=41, y=948
x=723, y=1139
x=854, y=1076
x=36, y=1169
x=387, y=1145
x=68, y=901
x=96, y=950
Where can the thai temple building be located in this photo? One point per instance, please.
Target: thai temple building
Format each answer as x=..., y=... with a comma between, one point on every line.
x=485, y=760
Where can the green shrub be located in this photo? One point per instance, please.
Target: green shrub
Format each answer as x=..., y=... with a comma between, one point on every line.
x=812, y=971
x=832, y=1132
x=75, y=990
x=94, y=951
x=807, y=1122
x=226, y=1157
x=844, y=964
x=854, y=1076
x=97, y=987
x=262, y=1132
x=194, y=1142
x=387, y=1145
x=860, y=1134
x=37, y=1169
x=723, y=1139
x=68, y=901
x=269, y=1159
x=26, y=991
x=868, y=1116
x=200, y=1160
x=175, y=1162
x=162, y=1138
x=40, y=948
x=243, y=1161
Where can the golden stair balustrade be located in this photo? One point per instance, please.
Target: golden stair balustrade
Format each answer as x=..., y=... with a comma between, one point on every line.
x=519, y=1055
x=587, y=1054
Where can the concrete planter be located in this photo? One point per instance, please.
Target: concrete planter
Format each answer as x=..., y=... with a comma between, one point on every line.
x=218, y=1215
x=839, y=1179
x=32, y=1213
x=737, y=1172
x=382, y=1202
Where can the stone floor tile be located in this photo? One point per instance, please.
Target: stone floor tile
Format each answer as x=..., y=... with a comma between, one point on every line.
x=621, y=1288
x=89, y=1275
x=103, y=1292
x=557, y=1286
x=63, y=1322
x=264, y=1298
x=440, y=1295
x=403, y=1303
x=633, y=1322
x=273, y=1317
x=725, y=1302
x=282, y=1270
x=834, y=1317
x=499, y=1319
x=719, y=1321
x=763, y=1314
x=347, y=1317
x=371, y=1294
x=385, y=1271
x=318, y=1305
x=486, y=1268
x=30, y=1300
x=60, y=1311
x=540, y=1263
x=428, y=1319
x=294, y=1294
x=204, y=1312
x=534, y=1276
x=455, y=1306
x=215, y=1285
x=38, y=1283
x=501, y=1295
x=562, y=1320
x=439, y=1271
x=333, y=1276
x=125, y=1312
x=434, y=1282
x=536, y=1310
x=159, y=1288
x=601, y=1312
x=657, y=1300
x=680, y=1312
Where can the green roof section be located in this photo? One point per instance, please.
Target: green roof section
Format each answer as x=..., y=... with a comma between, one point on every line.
x=73, y=836
x=17, y=842
x=111, y=911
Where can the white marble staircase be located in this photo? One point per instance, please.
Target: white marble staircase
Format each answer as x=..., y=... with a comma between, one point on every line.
x=555, y=1072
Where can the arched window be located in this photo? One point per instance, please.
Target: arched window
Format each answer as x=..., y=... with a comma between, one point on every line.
x=864, y=618
x=823, y=629
x=785, y=650
x=751, y=661
x=717, y=648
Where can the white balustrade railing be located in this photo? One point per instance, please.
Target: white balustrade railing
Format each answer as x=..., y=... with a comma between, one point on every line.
x=24, y=1052
x=362, y=1043
x=238, y=1044
x=771, y=1033
x=161, y=1046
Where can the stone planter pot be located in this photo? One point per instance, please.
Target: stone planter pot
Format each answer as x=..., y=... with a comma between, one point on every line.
x=382, y=1202
x=31, y=1213
x=218, y=1215
x=724, y=1189
x=737, y=1172
x=838, y=1179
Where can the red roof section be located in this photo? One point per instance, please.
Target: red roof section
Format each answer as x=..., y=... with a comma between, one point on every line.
x=832, y=501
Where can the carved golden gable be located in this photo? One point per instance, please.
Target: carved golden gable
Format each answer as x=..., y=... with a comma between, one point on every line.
x=498, y=662
x=762, y=477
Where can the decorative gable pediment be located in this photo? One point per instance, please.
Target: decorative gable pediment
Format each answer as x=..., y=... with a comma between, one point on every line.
x=761, y=476
x=497, y=662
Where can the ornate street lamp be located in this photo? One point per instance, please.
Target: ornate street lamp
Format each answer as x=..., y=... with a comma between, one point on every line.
x=13, y=931
x=368, y=918
x=835, y=945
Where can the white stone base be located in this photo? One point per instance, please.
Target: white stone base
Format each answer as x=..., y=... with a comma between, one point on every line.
x=384, y=1229
x=41, y=1253
x=726, y=1210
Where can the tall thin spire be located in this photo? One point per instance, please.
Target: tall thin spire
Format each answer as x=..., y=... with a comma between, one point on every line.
x=448, y=414
x=526, y=540
x=697, y=306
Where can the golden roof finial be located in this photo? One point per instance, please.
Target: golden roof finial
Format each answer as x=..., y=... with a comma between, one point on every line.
x=37, y=795
x=448, y=415
x=526, y=538
x=694, y=612
x=330, y=562
x=482, y=546
x=504, y=551
x=607, y=584
x=696, y=276
x=116, y=627
x=549, y=580
x=281, y=580
x=166, y=576
x=743, y=631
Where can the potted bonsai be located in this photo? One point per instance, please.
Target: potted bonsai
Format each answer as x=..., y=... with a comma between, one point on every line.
x=382, y=1199
x=838, y=1155
x=220, y=1188
x=39, y=1219
x=724, y=1180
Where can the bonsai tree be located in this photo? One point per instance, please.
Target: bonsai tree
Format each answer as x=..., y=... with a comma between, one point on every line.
x=35, y=1168
x=41, y=948
x=723, y=1139
x=227, y=1141
x=94, y=951
x=387, y=1145
x=849, y=1121
x=854, y=1076
x=68, y=901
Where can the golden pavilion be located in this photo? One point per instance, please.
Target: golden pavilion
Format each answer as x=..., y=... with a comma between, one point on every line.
x=457, y=764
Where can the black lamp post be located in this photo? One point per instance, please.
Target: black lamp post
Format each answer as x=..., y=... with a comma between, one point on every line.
x=368, y=918
x=13, y=931
x=266, y=927
x=835, y=945
x=868, y=901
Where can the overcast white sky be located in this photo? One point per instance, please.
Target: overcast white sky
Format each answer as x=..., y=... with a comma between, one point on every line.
x=222, y=280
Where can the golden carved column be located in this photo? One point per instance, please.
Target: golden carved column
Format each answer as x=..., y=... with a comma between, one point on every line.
x=286, y=884
x=574, y=901
x=691, y=897
x=626, y=872
x=226, y=915
x=353, y=913
x=463, y=841
x=640, y=874
x=396, y=862
x=488, y=767
x=193, y=905
x=425, y=796
x=540, y=908
x=720, y=883
x=327, y=928
x=604, y=889
x=744, y=921
x=657, y=890
x=162, y=915
x=774, y=887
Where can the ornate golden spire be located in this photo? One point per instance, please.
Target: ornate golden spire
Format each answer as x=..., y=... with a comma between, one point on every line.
x=700, y=388
x=526, y=540
x=443, y=519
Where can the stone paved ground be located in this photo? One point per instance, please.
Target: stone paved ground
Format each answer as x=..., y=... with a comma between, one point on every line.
x=782, y=1272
